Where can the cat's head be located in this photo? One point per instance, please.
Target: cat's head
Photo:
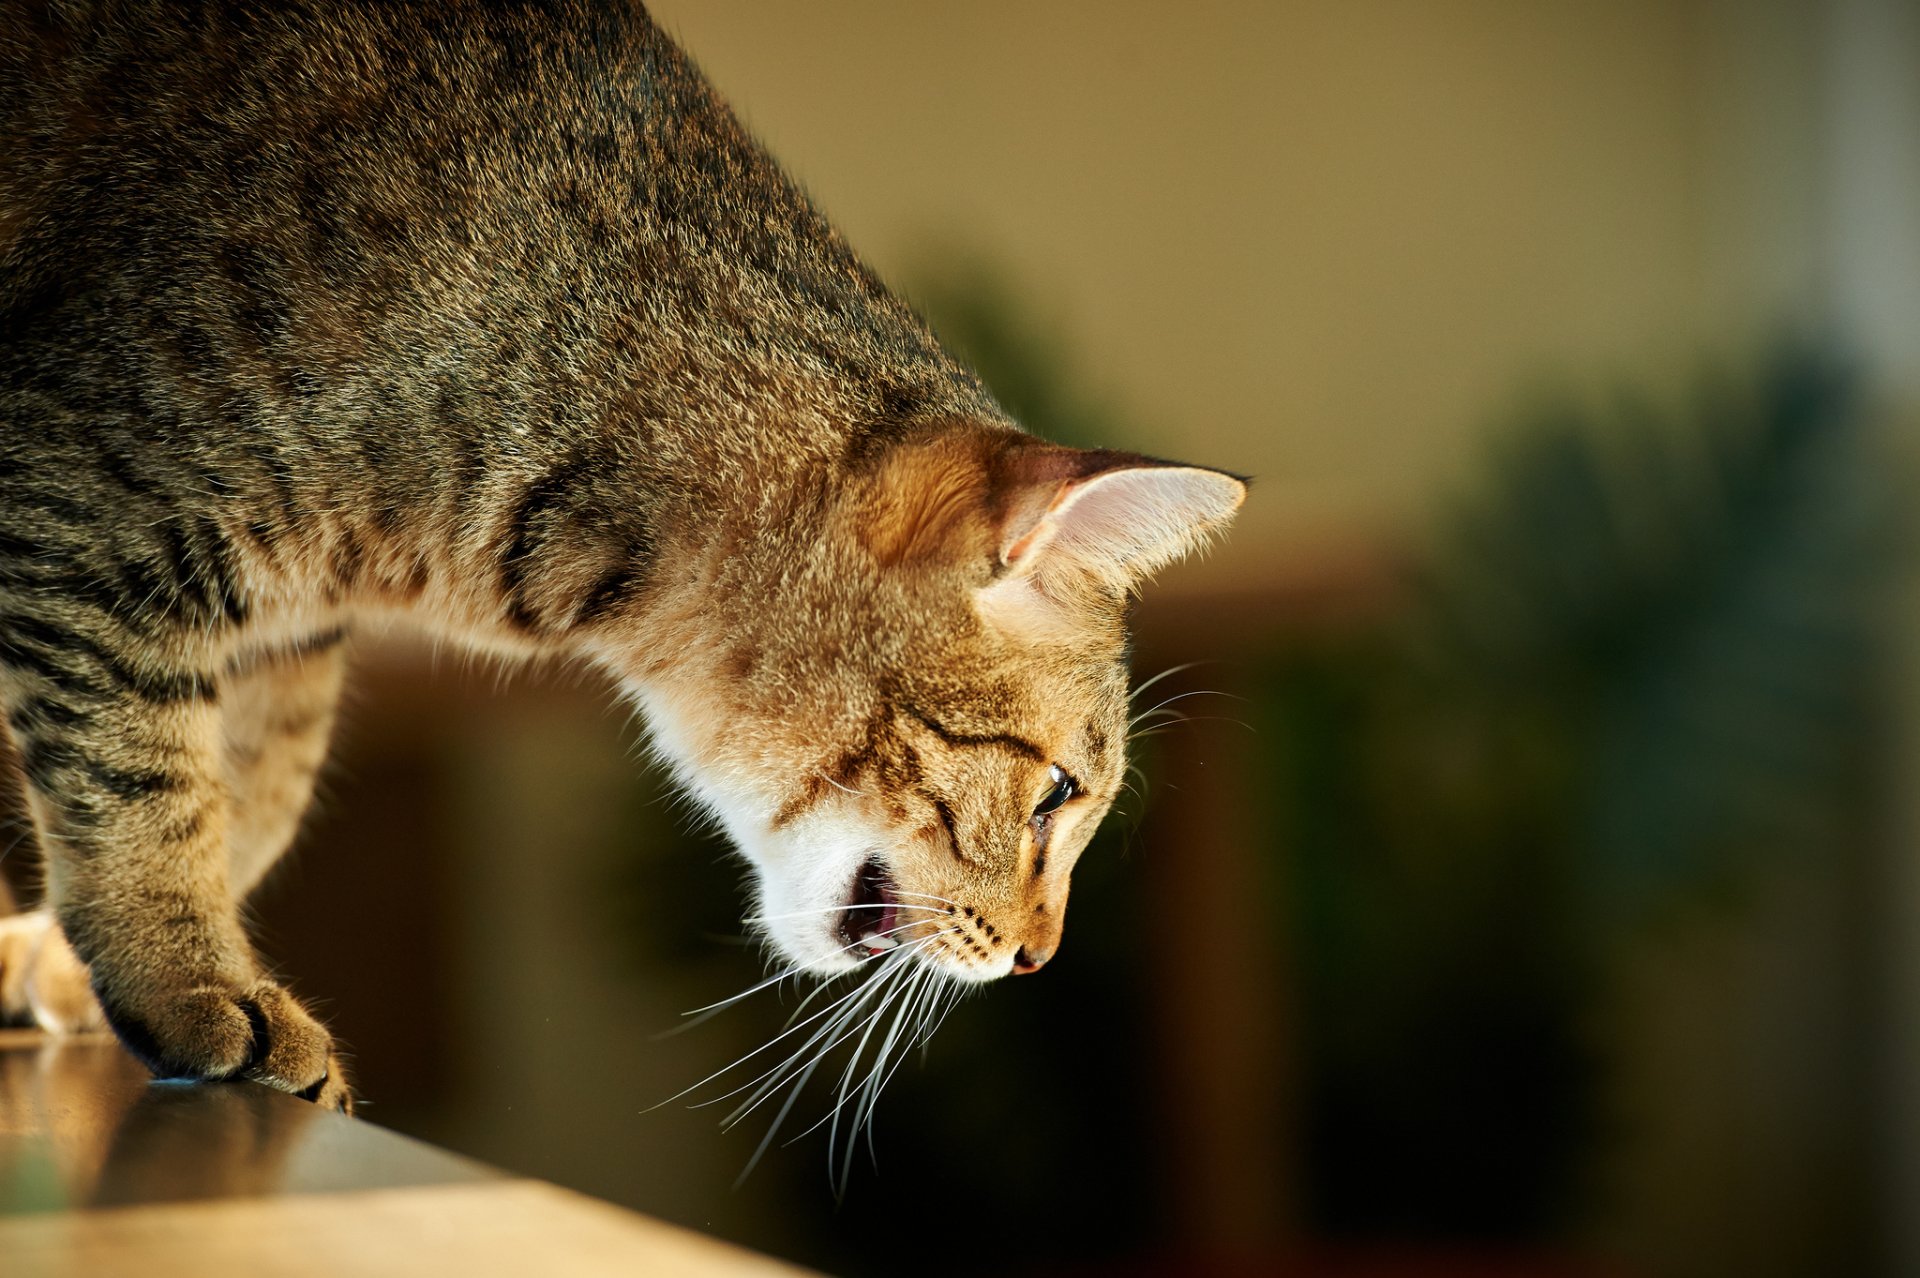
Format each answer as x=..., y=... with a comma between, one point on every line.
x=908, y=707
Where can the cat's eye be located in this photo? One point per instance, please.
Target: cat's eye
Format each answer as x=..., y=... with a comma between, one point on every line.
x=1064, y=788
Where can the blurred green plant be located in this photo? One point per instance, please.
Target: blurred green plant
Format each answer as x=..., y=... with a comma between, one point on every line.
x=1643, y=659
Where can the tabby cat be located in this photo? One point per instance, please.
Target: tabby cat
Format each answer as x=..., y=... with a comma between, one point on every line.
x=492, y=315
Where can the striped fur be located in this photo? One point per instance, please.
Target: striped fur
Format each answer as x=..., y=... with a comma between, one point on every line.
x=492, y=316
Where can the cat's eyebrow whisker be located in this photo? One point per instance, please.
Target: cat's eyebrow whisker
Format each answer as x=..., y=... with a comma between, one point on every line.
x=1167, y=673
x=840, y=785
x=1191, y=718
x=1202, y=692
x=1139, y=732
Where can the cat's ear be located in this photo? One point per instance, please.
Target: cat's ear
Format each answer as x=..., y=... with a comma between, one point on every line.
x=1115, y=516
x=1025, y=510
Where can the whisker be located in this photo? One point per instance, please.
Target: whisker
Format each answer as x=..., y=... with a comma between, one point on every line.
x=834, y=1032
x=760, y=1087
x=707, y=1012
x=1201, y=692
x=877, y=1022
x=756, y=1051
x=1164, y=674
x=848, y=1074
x=955, y=993
x=779, y=1117
x=927, y=896
x=864, y=1115
x=1192, y=718
x=793, y=1095
x=863, y=990
x=812, y=994
x=846, y=1078
x=833, y=909
x=864, y=1094
x=778, y=1075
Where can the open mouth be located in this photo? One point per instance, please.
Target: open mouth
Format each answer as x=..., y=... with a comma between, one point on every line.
x=872, y=910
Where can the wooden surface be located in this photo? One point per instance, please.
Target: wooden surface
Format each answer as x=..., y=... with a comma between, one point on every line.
x=104, y=1172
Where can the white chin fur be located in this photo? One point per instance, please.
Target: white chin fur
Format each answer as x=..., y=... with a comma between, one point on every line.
x=805, y=874
x=801, y=872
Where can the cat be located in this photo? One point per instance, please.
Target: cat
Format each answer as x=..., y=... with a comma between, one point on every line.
x=491, y=316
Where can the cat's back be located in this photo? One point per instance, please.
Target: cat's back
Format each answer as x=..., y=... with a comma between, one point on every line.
x=209, y=145
x=252, y=247
x=231, y=184
x=500, y=232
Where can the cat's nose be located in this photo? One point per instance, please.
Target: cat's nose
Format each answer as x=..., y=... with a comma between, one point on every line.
x=1030, y=960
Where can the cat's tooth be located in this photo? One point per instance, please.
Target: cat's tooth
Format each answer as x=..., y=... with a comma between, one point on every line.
x=875, y=941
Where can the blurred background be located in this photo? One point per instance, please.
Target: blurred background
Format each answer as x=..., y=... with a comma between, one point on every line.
x=1526, y=880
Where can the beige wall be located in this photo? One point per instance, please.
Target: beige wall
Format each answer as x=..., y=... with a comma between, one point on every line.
x=1322, y=243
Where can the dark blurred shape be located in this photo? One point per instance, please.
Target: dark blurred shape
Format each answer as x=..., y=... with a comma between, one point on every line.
x=1694, y=605
x=1643, y=666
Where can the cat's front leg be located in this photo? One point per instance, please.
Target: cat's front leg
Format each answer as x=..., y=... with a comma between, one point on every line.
x=278, y=709
x=123, y=760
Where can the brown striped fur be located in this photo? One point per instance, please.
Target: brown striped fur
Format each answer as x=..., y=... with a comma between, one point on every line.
x=492, y=316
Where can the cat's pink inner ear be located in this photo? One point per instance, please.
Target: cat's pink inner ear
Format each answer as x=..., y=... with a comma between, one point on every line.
x=1121, y=523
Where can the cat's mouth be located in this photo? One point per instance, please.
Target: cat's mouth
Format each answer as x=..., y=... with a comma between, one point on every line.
x=872, y=911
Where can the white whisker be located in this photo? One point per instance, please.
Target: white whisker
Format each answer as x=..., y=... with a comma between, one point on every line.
x=864, y=1114
x=875, y=1024
x=927, y=896
x=835, y=909
x=912, y=982
x=797, y=969
x=1202, y=692
x=858, y=994
x=763, y=1047
x=1168, y=672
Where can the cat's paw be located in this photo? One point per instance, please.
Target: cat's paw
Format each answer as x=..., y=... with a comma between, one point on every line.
x=214, y=1033
x=42, y=982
